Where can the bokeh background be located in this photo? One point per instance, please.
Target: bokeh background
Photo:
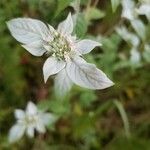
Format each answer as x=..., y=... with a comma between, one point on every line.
x=117, y=118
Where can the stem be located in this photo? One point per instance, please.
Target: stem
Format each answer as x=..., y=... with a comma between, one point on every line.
x=95, y=3
x=87, y=8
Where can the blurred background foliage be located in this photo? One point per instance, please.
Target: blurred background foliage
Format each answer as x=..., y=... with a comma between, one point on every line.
x=116, y=118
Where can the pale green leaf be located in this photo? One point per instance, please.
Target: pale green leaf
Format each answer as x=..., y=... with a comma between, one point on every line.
x=139, y=27
x=61, y=5
x=123, y=116
x=115, y=4
x=81, y=26
x=94, y=13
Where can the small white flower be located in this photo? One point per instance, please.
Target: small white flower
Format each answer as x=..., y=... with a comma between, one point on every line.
x=28, y=121
x=64, y=50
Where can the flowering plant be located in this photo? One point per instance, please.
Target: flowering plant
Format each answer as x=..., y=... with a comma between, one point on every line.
x=28, y=121
x=64, y=50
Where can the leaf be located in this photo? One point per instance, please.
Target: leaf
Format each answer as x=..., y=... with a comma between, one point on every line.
x=16, y=132
x=87, y=75
x=61, y=5
x=128, y=9
x=59, y=107
x=62, y=83
x=94, y=13
x=52, y=66
x=44, y=105
x=86, y=45
x=144, y=9
x=135, y=56
x=81, y=25
x=123, y=116
x=27, y=30
x=66, y=26
x=76, y=5
x=115, y=4
x=139, y=27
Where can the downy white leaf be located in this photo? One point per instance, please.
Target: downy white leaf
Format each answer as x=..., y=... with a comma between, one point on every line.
x=40, y=127
x=16, y=132
x=144, y=10
x=31, y=109
x=35, y=48
x=19, y=114
x=135, y=56
x=47, y=118
x=128, y=9
x=87, y=75
x=139, y=27
x=66, y=27
x=52, y=66
x=30, y=131
x=85, y=46
x=27, y=30
x=62, y=83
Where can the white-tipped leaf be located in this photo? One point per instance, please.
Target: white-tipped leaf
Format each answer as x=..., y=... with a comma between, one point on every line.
x=16, y=132
x=128, y=9
x=144, y=10
x=62, y=83
x=52, y=66
x=87, y=75
x=35, y=48
x=139, y=27
x=135, y=56
x=85, y=46
x=40, y=127
x=30, y=131
x=47, y=118
x=31, y=109
x=19, y=114
x=66, y=27
x=26, y=30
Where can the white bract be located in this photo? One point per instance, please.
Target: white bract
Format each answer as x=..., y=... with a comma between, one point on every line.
x=128, y=9
x=129, y=37
x=135, y=56
x=144, y=9
x=28, y=121
x=131, y=11
x=64, y=50
x=133, y=40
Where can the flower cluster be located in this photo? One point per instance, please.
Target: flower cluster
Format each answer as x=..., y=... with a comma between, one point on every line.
x=28, y=121
x=64, y=50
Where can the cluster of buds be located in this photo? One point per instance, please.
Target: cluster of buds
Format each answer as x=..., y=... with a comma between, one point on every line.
x=58, y=47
